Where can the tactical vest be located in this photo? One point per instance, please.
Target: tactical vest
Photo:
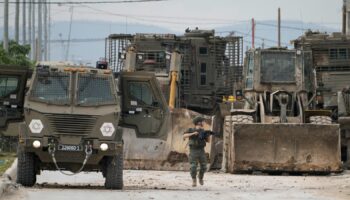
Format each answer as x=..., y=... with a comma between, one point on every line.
x=195, y=142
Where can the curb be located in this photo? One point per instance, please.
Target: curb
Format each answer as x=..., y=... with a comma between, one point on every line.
x=8, y=178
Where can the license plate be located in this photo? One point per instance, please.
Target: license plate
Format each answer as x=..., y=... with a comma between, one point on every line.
x=63, y=147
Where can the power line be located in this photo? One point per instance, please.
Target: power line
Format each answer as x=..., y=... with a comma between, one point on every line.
x=214, y=20
x=285, y=27
x=141, y=18
x=259, y=37
x=78, y=40
x=88, y=2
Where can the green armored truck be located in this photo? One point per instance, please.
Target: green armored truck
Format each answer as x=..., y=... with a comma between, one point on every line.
x=73, y=119
x=71, y=124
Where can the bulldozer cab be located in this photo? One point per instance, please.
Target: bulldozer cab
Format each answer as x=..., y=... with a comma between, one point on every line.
x=13, y=80
x=280, y=81
x=278, y=69
x=144, y=107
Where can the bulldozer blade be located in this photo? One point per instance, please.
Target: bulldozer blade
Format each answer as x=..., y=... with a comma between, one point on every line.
x=169, y=154
x=300, y=148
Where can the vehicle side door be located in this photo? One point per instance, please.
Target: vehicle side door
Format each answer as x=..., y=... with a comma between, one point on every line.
x=13, y=80
x=144, y=107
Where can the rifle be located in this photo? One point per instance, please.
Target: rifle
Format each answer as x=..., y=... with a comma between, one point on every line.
x=203, y=134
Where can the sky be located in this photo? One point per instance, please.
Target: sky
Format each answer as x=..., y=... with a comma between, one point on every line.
x=174, y=16
x=177, y=14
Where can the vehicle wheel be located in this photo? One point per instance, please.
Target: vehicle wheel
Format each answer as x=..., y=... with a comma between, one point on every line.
x=26, y=174
x=229, y=120
x=320, y=120
x=114, y=172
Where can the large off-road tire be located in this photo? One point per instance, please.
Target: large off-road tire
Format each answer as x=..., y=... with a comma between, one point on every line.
x=320, y=120
x=242, y=119
x=114, y=172
x=26, y=173
x=229, y=120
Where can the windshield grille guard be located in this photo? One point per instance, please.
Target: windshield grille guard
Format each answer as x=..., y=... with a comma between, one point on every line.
x=94, y=90
x=51, y=88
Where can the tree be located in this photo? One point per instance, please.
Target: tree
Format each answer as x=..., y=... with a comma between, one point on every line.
x=17, y=55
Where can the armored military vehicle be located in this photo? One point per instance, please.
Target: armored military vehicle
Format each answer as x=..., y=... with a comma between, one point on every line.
x=331, y=56
x=210, y=65
x=73, y=118
x=13, y=80
x=71, y=124
x=275, y=126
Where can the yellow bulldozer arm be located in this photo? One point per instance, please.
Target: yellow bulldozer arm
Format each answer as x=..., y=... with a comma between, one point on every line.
x=304, y=148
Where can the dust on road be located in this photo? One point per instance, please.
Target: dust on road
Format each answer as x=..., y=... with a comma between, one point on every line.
x=177, y=185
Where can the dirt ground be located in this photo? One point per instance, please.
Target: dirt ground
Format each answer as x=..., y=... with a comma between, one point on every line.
x=177, y=185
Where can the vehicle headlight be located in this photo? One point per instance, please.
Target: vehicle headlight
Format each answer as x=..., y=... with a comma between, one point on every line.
x=140, y=57
x=36, y=126
x=104, y=147
x=107, y=129
x=168, y=57
x=36, y=144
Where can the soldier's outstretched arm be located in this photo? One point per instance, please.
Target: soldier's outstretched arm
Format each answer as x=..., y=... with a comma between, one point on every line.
x=187, y=135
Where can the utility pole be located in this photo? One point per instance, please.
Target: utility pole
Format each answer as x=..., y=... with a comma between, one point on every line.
x=253, y=33
x=344, y=18
x=34, y=56
x=69, y=33
x=279, y=27
x=45, y=30
x=6, y=26
x=30, y=27
x=49, y=44
x=24, y=22
x=17, y=22
x=40, y=30
x=263, y=44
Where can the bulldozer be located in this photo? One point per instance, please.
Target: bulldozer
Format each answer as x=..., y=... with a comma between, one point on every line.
x=152, y=126
x=274, y=126
x=195, y=71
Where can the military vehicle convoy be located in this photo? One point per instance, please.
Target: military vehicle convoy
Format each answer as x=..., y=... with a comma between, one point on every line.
x=83, y=119
x=93, y=119
x=274, y=126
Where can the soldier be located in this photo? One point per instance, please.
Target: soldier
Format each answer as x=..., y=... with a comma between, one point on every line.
x=197, y=153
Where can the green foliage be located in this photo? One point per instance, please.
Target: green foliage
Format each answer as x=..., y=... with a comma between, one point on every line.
x=17, y=55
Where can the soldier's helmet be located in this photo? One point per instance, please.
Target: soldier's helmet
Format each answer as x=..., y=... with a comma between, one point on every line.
x=197, y=119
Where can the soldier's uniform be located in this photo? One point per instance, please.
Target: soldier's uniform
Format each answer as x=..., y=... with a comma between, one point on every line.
x=197, y=154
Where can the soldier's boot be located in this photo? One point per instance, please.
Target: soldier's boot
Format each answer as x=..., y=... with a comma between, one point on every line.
x=201, y=181
x=194, y=182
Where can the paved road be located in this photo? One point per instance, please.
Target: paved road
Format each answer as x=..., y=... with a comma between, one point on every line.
x=177, y=185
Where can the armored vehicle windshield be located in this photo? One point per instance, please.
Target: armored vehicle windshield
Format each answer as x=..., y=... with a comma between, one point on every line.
x=84, y=88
